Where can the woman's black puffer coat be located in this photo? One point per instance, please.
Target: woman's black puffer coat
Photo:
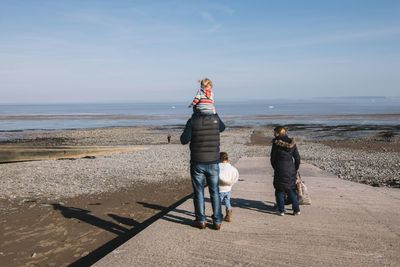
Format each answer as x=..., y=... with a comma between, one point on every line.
x=285, y=159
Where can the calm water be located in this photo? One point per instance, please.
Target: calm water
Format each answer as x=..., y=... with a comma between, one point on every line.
x=67, y=116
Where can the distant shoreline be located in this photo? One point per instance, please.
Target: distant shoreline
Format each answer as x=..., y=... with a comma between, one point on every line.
x=254, y=113
x=127, y=116
x=39, y=122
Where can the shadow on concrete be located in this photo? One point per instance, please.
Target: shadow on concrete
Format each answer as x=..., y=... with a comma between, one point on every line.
x=170, y=217
x=255, y=205
x=123, y=233
x=260, y=206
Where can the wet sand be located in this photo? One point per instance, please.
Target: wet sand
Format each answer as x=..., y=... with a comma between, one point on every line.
x=60, y=232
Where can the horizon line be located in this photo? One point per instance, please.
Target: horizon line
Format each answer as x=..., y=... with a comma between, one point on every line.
x=170, y=102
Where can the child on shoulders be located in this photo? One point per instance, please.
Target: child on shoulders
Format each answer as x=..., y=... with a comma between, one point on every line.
x=203, y=102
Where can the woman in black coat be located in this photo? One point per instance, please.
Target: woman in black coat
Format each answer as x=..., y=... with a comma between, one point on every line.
x=285, y=160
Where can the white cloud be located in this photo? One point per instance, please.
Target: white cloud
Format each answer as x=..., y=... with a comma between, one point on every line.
x=215, y=28
x=207, y=17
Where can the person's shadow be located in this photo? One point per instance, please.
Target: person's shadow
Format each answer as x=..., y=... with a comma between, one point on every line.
x=85, y=216
x=170, y=217
x=132, y=227
x=255, y=205
x=124, y=220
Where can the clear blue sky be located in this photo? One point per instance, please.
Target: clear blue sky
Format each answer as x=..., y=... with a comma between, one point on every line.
x=68, y=51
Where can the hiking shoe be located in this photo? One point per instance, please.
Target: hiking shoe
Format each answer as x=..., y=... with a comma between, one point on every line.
x=296, y=213
x=228, y=217
x=200, y=225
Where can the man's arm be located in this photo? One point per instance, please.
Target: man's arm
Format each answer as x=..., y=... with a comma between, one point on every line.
x=186, y=136
x=221, y=125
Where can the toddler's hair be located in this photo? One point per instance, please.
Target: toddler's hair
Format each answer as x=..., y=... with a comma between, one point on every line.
x=223, y=156
x=205, y=82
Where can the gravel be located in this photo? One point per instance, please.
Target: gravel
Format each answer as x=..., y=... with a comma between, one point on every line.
x=376, y=169
x=56, y=179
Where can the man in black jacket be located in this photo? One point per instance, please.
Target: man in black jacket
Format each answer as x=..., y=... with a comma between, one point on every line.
x=203, y=133
x=285, y=160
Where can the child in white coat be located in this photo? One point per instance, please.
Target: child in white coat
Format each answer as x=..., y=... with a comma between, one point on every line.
x=228, y=176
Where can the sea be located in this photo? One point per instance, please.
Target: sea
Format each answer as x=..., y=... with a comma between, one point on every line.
x=324, y=111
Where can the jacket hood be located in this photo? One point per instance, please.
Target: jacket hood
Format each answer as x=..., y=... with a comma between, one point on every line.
x=285, y=142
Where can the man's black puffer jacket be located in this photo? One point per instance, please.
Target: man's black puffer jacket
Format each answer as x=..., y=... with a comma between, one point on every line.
x=203, y=132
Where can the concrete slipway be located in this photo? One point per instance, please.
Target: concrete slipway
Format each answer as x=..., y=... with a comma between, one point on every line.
x=348, y=224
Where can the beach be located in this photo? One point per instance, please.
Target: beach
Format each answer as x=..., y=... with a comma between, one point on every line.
x=95, y=98
x=59, y=210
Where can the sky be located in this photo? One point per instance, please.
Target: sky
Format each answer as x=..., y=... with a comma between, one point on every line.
x=156, y=51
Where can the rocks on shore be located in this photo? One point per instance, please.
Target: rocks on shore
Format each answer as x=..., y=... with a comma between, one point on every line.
x=376, y=169
x=55, y=179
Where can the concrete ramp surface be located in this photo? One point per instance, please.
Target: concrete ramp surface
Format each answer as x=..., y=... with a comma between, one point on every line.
x=348, y=224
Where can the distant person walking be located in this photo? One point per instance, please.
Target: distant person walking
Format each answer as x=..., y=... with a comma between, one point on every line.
x=169, y=138
x=228, y=176
x=203, y=133
x=285, y=160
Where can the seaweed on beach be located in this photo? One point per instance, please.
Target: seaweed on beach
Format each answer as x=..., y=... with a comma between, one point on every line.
x=387, y=136
x=40, y=141
x=258, y=137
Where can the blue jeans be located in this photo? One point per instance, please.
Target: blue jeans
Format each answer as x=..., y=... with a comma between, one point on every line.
x=226, y=199
x=280, y=200
x=200, y=174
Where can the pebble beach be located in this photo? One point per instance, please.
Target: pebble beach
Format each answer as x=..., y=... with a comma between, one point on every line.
x=55, y=179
